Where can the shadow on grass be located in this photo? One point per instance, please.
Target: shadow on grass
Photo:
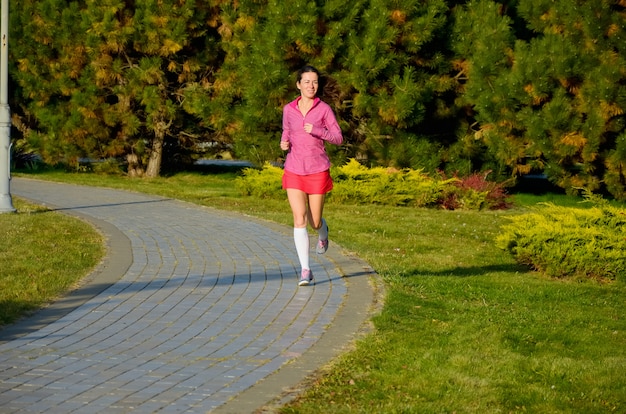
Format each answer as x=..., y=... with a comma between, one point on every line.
x=72, y=208
x=470, y=271
x=13, y=310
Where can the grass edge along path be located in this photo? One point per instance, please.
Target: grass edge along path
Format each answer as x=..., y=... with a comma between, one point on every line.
x=463, y=328
x=44, y=255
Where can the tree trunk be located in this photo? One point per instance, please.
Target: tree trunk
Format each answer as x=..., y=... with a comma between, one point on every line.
x=134, y=166
x=156, y=154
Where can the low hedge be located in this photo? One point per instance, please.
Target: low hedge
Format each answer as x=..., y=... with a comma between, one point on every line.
x=569, y=242
x=355, y=183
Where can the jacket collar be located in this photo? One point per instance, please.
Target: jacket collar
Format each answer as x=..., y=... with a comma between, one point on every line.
x=294, y=103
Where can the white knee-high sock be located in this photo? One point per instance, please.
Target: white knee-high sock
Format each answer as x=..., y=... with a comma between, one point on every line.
x=323, y=231
x=301, y=239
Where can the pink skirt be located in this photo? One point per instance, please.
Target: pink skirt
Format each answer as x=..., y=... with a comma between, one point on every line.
x=319, y=183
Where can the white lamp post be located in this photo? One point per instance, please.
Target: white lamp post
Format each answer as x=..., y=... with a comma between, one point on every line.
x=6, y=204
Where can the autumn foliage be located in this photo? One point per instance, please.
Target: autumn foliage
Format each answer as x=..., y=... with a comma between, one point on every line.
x=511, y=87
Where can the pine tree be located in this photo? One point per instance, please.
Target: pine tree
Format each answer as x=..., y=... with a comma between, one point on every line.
x=105, y=78
x=264, y=44
x=381, y=68
x=48, y=75
x=531, y=85
x=483, y=41
x=554, y=102
x=393, y=72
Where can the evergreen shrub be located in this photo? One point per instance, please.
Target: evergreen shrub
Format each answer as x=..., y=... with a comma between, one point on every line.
x=110, y=166
x=569, y=242
x=385, y=186
x=355, y=183
x=264, y=183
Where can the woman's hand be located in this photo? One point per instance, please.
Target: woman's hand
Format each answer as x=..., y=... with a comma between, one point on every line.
x=284, y=145
x=308, y=128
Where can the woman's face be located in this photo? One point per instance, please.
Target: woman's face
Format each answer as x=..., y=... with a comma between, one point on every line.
x=308, y=85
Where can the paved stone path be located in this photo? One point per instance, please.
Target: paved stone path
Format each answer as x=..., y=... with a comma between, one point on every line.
x=194, y=310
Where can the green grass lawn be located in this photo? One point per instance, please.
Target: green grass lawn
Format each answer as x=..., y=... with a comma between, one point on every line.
x=42, y=255
x=462, y=327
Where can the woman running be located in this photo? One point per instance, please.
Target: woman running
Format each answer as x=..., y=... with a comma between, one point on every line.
x=308, y=123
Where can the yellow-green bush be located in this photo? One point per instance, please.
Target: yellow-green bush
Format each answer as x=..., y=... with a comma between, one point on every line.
x=569, y=242
x=263, y=183
x=355, y=183
x=378, y=185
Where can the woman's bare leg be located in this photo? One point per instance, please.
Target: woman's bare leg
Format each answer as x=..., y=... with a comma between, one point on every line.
x=316, y=219
x=298, y=202
x=316, y=210
x=299, y=208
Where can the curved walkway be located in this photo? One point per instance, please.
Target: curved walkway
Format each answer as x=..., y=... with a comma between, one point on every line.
x=193, y=310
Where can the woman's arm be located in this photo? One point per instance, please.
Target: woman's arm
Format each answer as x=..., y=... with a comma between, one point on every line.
x=330, y=131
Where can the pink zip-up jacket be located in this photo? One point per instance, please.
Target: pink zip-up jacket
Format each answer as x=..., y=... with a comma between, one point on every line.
x=307, y=154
